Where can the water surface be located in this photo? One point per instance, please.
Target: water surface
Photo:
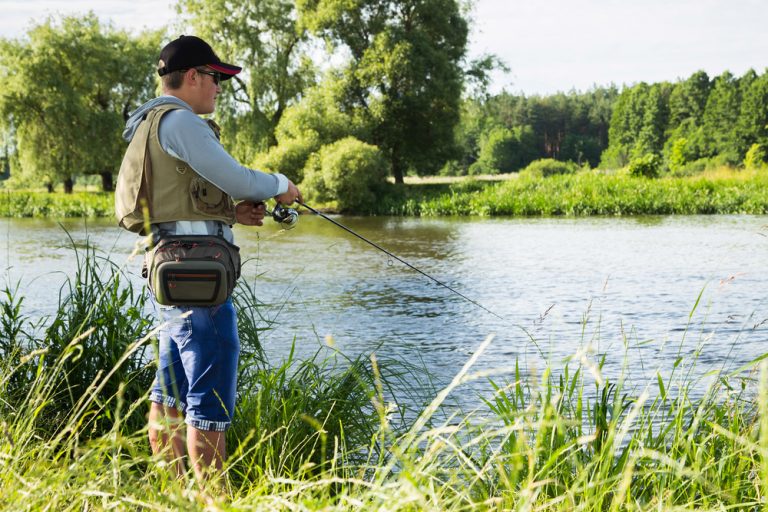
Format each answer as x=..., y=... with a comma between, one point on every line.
x=596, y=286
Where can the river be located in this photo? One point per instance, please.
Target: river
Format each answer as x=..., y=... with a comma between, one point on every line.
x=620, y=287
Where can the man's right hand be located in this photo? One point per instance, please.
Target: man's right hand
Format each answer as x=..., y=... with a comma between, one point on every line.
x=291, y=196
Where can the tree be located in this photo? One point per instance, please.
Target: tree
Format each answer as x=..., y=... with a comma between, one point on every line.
x=404, y=72
x=753, y=117
x=688, y=99
x=263, y=37
x=638, y=124
x=67, y=91
x=655, y=116
x=306, y=127
x=505, y=150
x=720, y=119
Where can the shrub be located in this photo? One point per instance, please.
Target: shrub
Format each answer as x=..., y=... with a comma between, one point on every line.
x=548, y=167
x=289, y=157
x=348, y=171
x=480, y=167
x=756, y=157
x=648, y=166
x=680, y=154
x=724, y=159
x=505, y=150
x=690, y=168
x=452, y=168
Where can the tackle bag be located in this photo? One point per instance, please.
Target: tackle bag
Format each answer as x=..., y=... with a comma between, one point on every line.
x=192, y=270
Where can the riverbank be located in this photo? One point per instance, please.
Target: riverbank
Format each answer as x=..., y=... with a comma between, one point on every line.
x=724, y=191
x=589, y=193
x=312, y=435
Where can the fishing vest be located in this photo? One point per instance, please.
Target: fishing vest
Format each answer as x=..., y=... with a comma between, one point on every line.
x=152, y=186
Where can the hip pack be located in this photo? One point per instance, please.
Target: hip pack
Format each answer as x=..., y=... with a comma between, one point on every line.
x=192, y=270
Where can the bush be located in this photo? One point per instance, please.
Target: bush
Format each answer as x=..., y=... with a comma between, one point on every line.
x=348, y=171
x=681, y=154
x=690, y=168
x=452, y=168
x=648, y=166
x=480, y=167
x=548, y=167
x=289, y=157
x=505, y=150
x=725, y=159
x=757, y=157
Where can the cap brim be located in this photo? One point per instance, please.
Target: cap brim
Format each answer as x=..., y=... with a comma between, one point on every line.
x=227, y=70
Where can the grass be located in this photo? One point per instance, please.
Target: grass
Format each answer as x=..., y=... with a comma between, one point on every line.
x=722, y=191
x=326, y=433
x=25, y=203
x=593, y=193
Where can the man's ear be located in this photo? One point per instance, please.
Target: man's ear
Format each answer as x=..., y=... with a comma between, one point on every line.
x=191, y=74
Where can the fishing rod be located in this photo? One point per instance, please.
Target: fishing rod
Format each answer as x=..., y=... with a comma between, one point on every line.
x=280, y=213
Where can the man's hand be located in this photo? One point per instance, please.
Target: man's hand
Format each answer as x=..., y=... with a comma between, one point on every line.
x=250, y=213
x=291, y=196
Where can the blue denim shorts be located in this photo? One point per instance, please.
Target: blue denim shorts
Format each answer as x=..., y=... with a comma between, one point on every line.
x=197, y=370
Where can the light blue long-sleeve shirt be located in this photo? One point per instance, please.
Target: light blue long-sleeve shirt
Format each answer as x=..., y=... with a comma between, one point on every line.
x=186, y=136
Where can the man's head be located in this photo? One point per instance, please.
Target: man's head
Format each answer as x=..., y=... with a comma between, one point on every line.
x=192, y=71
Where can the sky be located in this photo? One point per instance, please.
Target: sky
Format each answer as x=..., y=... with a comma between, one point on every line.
x=549, y=46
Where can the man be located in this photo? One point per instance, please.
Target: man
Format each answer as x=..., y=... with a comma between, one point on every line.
x=176, y=169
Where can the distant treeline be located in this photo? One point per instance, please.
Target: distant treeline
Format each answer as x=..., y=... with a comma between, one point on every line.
x=404, y=99
x=682, y=127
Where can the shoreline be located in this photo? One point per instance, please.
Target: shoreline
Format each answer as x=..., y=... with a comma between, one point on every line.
x=583, y=194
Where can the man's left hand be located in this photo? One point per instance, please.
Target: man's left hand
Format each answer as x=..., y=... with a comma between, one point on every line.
x=250, y=213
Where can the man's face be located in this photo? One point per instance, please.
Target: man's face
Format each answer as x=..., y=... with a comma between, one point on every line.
x=207, y=88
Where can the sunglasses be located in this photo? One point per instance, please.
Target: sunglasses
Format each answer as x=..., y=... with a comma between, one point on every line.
x=215, y=74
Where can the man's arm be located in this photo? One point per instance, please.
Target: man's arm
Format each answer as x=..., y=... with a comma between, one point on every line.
x=187, y=137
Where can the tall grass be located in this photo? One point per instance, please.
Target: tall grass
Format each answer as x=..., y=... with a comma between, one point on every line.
x=722, y=191
x=326, y=433
x=20, y=203
x=593, y=193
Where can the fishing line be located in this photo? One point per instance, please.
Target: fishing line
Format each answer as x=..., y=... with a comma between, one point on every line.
x=398, y=258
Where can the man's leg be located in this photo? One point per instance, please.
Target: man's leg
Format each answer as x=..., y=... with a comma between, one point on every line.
x=210, y=359
x=207, y=452
x=166, y=434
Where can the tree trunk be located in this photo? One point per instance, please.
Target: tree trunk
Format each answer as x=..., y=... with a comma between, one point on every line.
x=69, y=185
x=49, y=186
x=397, y=169
x=106, y=182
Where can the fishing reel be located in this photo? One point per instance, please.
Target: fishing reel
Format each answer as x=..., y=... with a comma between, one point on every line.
x=287, y=217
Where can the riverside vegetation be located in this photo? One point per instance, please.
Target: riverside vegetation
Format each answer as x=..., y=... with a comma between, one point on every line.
x=570, y=193
x=328, y=434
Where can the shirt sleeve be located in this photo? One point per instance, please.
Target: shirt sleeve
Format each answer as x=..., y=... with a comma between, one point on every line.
x=187, y=137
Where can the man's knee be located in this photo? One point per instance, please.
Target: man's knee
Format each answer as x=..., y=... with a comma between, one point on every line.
x=163, y=420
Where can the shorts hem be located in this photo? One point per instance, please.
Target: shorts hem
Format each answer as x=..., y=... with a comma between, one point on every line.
x=211, y=426
x=167, y=401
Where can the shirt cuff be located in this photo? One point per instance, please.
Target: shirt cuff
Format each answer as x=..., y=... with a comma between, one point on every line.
x=282, y=184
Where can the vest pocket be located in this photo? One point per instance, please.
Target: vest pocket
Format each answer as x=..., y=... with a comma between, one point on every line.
x=207, y=198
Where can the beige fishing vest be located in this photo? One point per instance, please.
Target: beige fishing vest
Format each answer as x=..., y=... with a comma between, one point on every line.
x=165, y=186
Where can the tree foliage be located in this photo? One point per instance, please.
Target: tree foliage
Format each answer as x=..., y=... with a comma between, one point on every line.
x=394, y=75
x=306, y=127
x=403, y=73
x=638, y=124
x=263, y=37
x=504, y=150
x=569, y=127
x=347, y=171
x=67, y=91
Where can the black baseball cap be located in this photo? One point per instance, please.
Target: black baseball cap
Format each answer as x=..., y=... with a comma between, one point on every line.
x=188, y=52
